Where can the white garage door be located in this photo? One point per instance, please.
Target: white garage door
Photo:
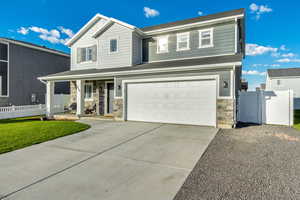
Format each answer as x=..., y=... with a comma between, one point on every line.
x=181, y=102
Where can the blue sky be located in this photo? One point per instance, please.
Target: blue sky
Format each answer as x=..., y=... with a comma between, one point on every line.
x=272, y=36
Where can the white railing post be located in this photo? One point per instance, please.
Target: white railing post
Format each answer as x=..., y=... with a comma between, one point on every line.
x=80, y=97
x=50, y=98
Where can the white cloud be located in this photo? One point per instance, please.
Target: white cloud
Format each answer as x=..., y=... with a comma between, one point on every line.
x=283, y=48
x=150, y=12
x=200, y=13
x=66, y=31
x=288, y=60
x=39, y=30
x=53, y=36
x=50, y=39
x=288, y=55
x=23, y=30
x=55, y=33
x=258, y=10
x=253, y=72
x=255, y=49
x=266, y=65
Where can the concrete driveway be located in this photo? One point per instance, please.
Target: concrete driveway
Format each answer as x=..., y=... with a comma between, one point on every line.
x=112, y=160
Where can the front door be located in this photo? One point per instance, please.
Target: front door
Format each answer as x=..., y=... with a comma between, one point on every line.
x=110, y=98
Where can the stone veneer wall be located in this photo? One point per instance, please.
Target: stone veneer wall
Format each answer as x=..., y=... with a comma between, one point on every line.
x=225, y=113
x=98, y=96
x=118, y=109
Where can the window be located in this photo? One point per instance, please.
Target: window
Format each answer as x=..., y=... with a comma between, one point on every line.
x=88, y=91
x=162, y=44
x=183, y=41
x=3, y=69
x=87, y=54
x=113, y=45
x=206, y=38
x=278, y=82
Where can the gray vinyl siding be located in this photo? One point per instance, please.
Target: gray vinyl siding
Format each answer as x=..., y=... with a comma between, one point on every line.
x=223, y=40
x=25, y=66
x=136, y=49
x=121, y=58
x=223, y=74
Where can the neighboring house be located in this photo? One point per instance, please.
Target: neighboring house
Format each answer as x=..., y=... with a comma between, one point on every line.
x=21, y=63
x=284, y=79
x=185, y=72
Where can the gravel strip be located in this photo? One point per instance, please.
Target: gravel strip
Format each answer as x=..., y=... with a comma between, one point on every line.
x=256, y=162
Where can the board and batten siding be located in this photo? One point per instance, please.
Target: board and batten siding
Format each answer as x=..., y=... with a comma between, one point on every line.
x=223, y=40
x=224, y=75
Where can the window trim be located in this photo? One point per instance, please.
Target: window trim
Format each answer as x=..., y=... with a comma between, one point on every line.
x=86, y=54
x=110, y=39
x=188, y=41
x=278, y=82
x=157, y=44
x=92, y=96
x=211, y=38
x=8, y=69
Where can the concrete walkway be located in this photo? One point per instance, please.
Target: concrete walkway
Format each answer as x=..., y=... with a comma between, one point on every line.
x=112, y=160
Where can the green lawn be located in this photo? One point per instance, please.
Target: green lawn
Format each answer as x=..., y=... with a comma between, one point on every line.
x=22, y=132
x=297, y=120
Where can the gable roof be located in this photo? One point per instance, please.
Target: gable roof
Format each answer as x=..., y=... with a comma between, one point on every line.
x=34, y=46
x=292, y=72
x=238, y=12
x=94, y=20
x=228, y=15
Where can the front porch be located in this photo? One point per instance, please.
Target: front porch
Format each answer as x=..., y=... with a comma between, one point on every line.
x=88, y=98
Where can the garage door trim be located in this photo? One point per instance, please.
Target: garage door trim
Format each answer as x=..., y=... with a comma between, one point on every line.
x=188, y=78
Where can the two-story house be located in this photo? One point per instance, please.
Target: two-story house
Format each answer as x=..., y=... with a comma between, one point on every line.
x=185, y=72
x=21, y=63
x=285, y=79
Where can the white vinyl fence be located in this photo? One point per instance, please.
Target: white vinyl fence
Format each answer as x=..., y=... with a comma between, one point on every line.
x=266, y=107
x=60, y=102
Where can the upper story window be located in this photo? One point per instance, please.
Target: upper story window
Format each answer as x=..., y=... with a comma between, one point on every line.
x=278, y=82
x=183, y=41
x=162, y=44
x=206, y=38
x=87, y=54
x=88, y=91
x=113, y=45
x=3, y=69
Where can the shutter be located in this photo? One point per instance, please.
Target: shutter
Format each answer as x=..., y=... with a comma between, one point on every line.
x=78, y=51
x=83, y=54
x=94, y=53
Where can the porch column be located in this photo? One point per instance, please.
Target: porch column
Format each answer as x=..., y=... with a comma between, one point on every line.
x=49, y=98
x=80, y=97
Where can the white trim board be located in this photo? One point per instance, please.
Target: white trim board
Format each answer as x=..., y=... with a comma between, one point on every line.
x=156, y=70
x=8, y=69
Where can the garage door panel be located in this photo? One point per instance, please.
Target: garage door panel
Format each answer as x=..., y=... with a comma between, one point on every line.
x=183, y=102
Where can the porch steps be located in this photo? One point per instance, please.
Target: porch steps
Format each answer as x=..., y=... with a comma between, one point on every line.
x=108, y=118
x=65, y=117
